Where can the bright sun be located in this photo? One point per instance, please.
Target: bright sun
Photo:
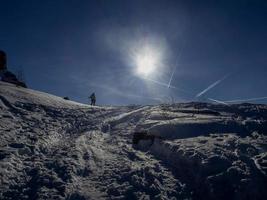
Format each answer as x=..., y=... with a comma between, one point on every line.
x=146, y=56
x=146, y=61
x=145, y=64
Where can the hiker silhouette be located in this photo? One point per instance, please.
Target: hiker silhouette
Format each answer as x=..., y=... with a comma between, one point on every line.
x=93, y=99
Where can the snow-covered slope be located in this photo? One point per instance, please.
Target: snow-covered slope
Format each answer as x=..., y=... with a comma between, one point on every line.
x=51, y=148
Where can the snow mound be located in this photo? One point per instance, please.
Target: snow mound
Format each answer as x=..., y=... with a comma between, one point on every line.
x=218, y=166
x=12, y=94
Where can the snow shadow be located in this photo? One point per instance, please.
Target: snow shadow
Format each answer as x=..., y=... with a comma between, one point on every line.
x=188, y=130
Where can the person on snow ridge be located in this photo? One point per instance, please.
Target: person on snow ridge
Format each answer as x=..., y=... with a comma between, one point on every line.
x=93, y=99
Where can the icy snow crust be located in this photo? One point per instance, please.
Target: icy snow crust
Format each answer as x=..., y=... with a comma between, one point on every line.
x=51, y=148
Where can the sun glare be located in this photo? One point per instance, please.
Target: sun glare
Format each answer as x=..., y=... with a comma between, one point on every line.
x=146, y=56
x=145, y=64
x=146, y=61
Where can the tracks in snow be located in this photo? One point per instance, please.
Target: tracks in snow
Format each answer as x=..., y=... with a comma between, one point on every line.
x=63, y=153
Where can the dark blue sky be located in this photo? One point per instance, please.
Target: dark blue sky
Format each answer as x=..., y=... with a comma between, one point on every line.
x=74, y=47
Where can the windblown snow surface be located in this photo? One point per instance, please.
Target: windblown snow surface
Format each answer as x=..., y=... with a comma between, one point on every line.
x=51, y=148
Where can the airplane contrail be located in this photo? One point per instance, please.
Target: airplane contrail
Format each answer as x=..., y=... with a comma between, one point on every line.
x=167, y=85
x=157, y=82
x=244, y=100
x=176, y=64
x=212, y=86
x=218, y=101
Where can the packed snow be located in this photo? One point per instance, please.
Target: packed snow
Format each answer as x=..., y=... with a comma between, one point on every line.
x=52, y=148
